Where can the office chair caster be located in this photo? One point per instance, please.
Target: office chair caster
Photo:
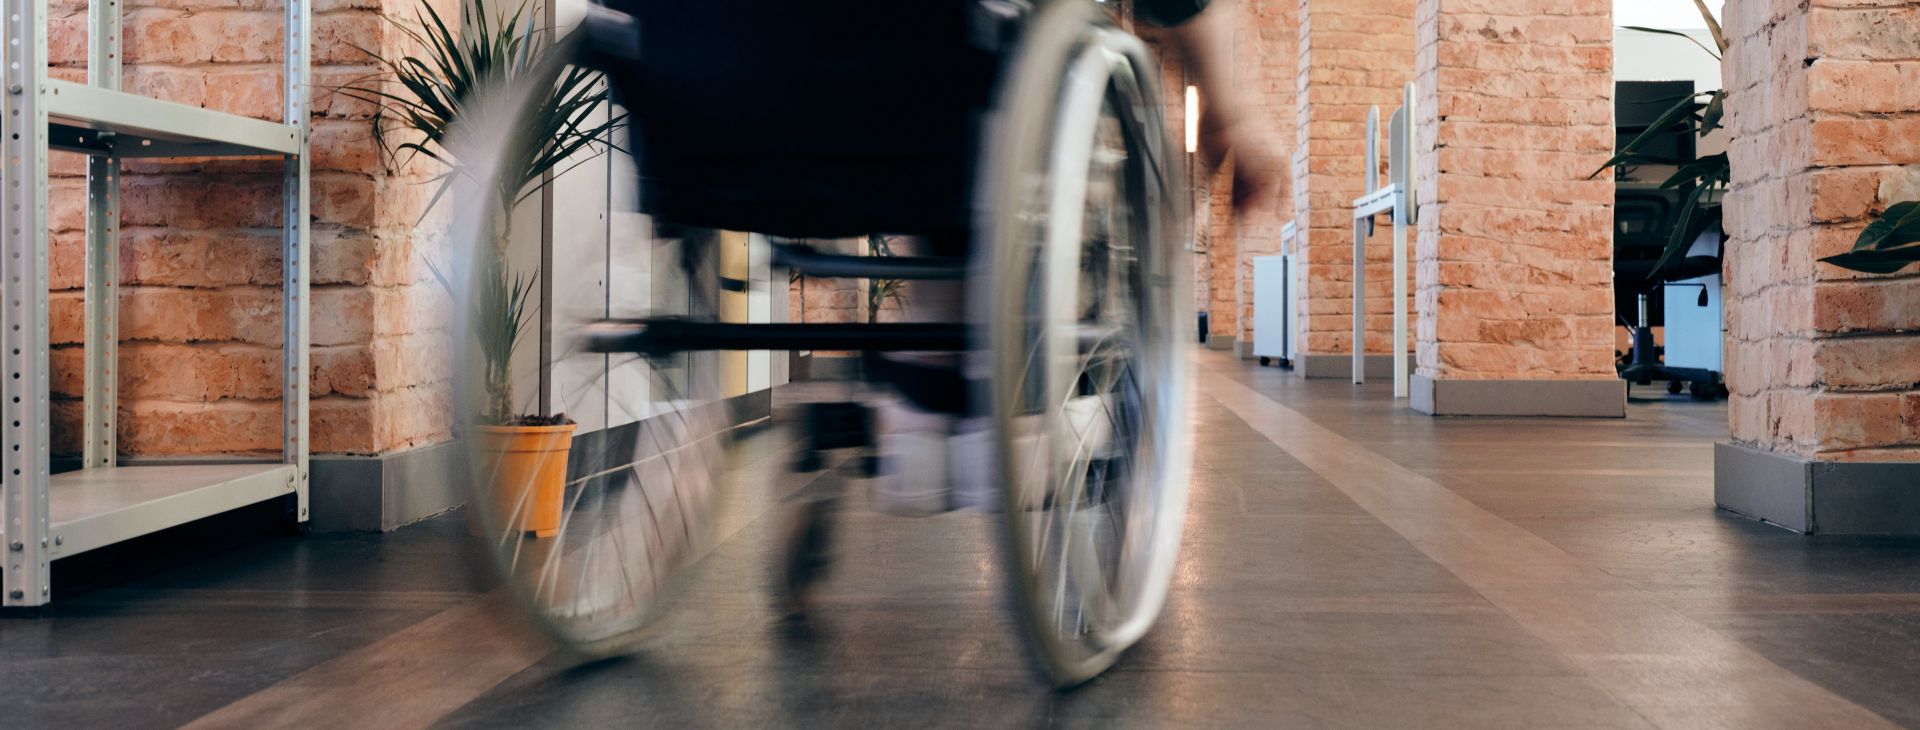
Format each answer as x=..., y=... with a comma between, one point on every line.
x=1706, y=391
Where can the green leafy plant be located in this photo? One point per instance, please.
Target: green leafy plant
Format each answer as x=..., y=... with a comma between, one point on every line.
x=879, y=291
x=1699, y=114
x=1886, y=245
x=419, y=101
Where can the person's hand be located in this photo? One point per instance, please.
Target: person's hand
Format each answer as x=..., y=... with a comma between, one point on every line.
x=1261, y=172
x=1227, y=125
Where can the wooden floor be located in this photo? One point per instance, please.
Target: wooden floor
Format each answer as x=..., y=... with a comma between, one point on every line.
x=1347, y=564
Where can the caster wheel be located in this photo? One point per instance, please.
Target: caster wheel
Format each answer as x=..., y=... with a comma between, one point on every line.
x=1704, y=391
x=1264, y=361
x=1673, y=387
x=809, y=461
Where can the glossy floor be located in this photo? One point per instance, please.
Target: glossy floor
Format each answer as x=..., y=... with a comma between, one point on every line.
x=1347, y=564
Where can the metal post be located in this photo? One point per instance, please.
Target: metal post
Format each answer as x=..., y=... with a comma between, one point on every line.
x=103, y=44
x=1403, y=216
x=1359, y=345
x=102, y=292
x=23, y=314
x=1400, y=385
x=295, y=286
x=102, y=304
x=1360, y=229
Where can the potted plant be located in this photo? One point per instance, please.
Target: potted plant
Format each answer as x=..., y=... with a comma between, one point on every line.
x=420, y=99
x=1888, y=244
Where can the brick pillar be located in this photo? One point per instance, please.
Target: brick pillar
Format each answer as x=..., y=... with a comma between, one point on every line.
x=1217, y=243
x=1824, y=110
x=1514, y=255
x=1263, y=58
x=1266, y=48
x=200, y=266
x=1354, y=54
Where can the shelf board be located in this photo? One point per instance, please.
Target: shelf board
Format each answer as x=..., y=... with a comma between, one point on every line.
x=142, y=126
x=93, y=508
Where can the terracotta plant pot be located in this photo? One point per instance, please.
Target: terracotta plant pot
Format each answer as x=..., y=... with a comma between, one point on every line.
x=526, y=467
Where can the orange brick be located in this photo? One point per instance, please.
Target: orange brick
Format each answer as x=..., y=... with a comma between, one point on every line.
x=226, y=427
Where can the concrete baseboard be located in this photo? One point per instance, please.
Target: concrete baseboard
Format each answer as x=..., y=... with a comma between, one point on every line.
x=1221, y=342
x=1340, y=367
x=1563, y=398
x=386, y=492
x=382, y=493
x=1242, y=350
x=1818, y=497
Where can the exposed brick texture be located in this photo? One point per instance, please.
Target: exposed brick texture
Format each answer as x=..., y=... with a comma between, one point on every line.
x=1354, y=54
x=1266, y=51
x=1825, y=117
x=1513, y=259
x=1265, y=43
x=827, y=301
x=200, y=246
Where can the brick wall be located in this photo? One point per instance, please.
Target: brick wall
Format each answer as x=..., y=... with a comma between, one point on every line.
x=1353, y=54
x=1266, y=47
x=1219, y=239
x=1825, y=118
x=200, y=248
x=1263, y=56
x=816, y=300
x=1514, y=254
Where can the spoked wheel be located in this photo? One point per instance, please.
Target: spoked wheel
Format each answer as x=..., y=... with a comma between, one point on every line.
x=1076, y=289
x=595, y=557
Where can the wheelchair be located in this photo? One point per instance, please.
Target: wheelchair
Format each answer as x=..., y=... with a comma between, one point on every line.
x=1072, y=281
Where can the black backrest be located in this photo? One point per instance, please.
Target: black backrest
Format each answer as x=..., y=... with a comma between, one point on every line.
x=1643, y=220
x=1638, y=104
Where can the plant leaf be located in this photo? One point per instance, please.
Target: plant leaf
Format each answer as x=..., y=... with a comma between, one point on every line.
x=1703, y=171
x=1872, y=261
x=1715, y=111
x=1899, y=226
x=1682, y=109
x=1713, y=26
x=1680, y=241
x=1663, y=31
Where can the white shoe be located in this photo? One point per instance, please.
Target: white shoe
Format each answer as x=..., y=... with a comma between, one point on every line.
x=912, y=479
x=970, y=466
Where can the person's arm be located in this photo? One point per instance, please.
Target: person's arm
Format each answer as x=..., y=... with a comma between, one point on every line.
x=1204, y=42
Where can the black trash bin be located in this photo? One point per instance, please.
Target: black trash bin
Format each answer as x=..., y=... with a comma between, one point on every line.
x=1203, y=328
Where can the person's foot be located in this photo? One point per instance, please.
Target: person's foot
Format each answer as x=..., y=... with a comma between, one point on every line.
x=805, y=537
x=912, y=445
x=970, y=466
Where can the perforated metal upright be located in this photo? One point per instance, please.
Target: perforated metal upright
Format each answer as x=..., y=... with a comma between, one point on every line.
x=44, y=517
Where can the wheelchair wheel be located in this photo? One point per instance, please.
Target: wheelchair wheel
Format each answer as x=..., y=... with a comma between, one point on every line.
x=594, y=557
x=1076, y=289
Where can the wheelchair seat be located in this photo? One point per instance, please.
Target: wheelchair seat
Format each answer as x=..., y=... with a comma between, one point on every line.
x=807, y=120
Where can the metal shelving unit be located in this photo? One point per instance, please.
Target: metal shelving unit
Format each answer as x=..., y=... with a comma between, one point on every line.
x=44, y=516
